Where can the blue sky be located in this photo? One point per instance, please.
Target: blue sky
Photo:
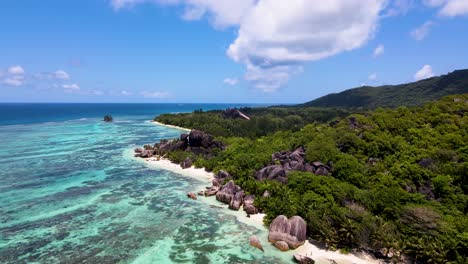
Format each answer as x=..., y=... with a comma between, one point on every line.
x=264, y=51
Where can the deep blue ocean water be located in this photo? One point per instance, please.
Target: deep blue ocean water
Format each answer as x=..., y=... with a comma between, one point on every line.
x=71, y=192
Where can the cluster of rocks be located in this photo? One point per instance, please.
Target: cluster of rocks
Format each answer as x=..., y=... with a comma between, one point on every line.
x=196, y=142
x=229, y=193
x=287, y=233
x=286, y=161
x=234, y=113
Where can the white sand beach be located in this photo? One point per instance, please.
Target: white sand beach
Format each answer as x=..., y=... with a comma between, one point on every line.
x=166, y=164
x=171, y=126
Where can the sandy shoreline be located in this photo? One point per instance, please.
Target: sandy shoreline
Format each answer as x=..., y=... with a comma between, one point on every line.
x=171, y=126
x=318, y=254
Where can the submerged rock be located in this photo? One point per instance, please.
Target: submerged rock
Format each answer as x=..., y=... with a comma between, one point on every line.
x=191, y=195
x=292, y=231
x=255, y=242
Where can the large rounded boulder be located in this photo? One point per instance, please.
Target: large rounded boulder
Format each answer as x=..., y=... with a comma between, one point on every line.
x=292, y=231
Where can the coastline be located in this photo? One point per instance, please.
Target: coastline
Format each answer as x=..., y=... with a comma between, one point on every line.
x=309, y=249
x=171, y=126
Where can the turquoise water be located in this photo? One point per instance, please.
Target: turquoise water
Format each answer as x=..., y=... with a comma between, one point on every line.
x=70, y=192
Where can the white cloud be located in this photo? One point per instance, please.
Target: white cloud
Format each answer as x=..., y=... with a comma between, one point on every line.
x=61, y=75
x=378, y=51
x=372, y=76
x=159, y=95
x=278, y=36
x=449, y=8
x=231, y=81
x=222, y=13
x=14, y=76
x=126, y=93
x=424, y=73
x=16, y=70
x=275, y=37
x=73, y=86
x=14, y=80
x=421, y=32
x=398, y=7
x=57, y=75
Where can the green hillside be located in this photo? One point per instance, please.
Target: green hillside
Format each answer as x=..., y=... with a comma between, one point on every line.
x=410, y=94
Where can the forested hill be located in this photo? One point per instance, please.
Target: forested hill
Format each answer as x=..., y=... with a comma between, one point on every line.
x=410, y=94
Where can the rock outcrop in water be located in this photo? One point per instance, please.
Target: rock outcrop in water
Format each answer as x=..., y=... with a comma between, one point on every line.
x=191, y=195
x=291, y=231
x=108, y=118
x=255, y=242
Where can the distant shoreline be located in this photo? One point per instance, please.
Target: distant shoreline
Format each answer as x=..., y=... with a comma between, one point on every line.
x=171, y=126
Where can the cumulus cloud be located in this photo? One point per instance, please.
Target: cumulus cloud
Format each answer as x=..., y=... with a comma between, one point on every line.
x=398, y=7
x=57, y=75
x=14, y=76
x=449, y=8
x=378, y=51
x=372, y=77
x=14, y=80
x=62, y=75
x=424, y=73
x=158, y=95
x=275, y=37
x=421, y=32
x=126, y=93
x=222, y=13
x=72, y=86
x=231, y=81
x=16, y=70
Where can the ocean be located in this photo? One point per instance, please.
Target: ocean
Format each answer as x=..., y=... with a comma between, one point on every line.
x=71, y=192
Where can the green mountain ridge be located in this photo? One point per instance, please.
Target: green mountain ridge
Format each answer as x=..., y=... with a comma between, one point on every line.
x=409, y=94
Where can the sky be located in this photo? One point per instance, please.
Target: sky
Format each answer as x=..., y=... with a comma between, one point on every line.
x=222, y=51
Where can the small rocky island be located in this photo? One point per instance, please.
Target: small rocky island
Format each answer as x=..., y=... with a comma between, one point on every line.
x=108, y=118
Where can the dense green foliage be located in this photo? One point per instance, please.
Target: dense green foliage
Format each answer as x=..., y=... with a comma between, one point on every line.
x=378, y=196
x=410, y=94
x=263, y=121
